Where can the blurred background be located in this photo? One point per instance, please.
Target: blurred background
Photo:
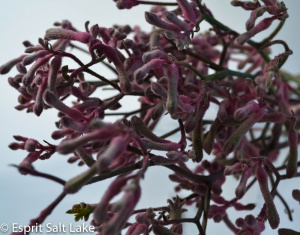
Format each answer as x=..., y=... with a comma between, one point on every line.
x=22, y=198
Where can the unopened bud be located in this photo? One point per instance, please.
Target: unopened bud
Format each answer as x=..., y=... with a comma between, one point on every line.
x=172, y=18
x=27, y=79
x=30, y=145
x=291, y=169
x=157, y=111
x=39, y=103
x=236, y=167
x=155, y=54
x=262, y=178
x=16, y=146
x=187, y=10
x=296, y=195
x=139, y=125
x=95, y=30
x=241, y=188
x=4, y=69
x=116, y=148
x=250, y=221
x=149, y=144
x=173, y=77
x=53, y=71
x=140, y=73
x=262, y=25
x=159, y=90
x=234, y=140
x=54, y=101
x=241, y=113
x=112, y=55
x=153, y=19
x=29, y=59
x=55, y=33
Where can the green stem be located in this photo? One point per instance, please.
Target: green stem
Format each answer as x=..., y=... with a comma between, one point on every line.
x=227, y=73
x=272, y=35
x=218, y=24
x=191, y=68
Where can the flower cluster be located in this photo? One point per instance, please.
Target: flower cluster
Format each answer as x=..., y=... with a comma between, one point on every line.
x=170, y=70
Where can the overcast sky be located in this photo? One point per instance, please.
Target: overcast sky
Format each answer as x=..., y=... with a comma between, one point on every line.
x=22, y=198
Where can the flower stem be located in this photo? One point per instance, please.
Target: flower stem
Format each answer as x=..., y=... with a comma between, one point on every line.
x=158, y=3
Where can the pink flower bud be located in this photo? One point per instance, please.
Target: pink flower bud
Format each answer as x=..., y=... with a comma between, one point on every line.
x=4, y=69
x=173, y=77
x=27, y=79
x=296, y=195
x=240, y=222
x=187, y=10
x=112, y=55
x=172, y=18
x=127, y=204
x=32, y=49
x=149, y=144
x=54, y=101
x=140, y=73
x=30, y=145
x=100, y=212
x=222, y=112
x=291, y=169
x=21, y=68
x=95, y=30
x=29, y=59
x=254, y=15
x=20, y=138
x=154, y=40
x=55, y=33
x=71, y=124
x=53, y=71
x=245, y=5
x=157, y=111
x=208, y=142
x=16, y=146
x=139, y=125
x=126, y=4
x=60, y=133
x=116, y=148
x=137, y=229
x=241, y=113
x=153, y=19
x=39, y=104
x=250, y=221
x=262, y=25
x=236, y=167
x=241, y=188
x=159, y=90
x=234, y=140
x=69, y=146
x=262, y=178
x=155, y=54
x=13, y=83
